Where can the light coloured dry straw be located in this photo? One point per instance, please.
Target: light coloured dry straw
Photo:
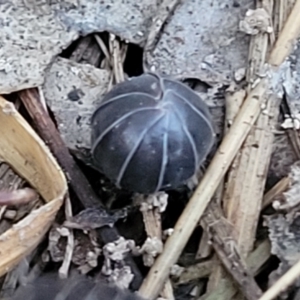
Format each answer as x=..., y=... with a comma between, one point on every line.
x=220, y=164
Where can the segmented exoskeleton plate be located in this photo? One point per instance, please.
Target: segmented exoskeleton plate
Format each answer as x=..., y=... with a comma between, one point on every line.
x=151, y=133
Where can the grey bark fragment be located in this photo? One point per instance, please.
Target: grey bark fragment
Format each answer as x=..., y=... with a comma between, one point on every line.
x=292, y=82
x=283, y=153
x=283, y=156
x=33, y=32
x=202, y=40
x=30, y=36
x=284, y=233
x=73, y=91
x=284, y=228
x=128, y=19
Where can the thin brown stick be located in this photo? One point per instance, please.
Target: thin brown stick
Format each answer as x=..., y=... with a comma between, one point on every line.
x=201, y=197
x=219, y=165
x=247, y=176
x=77, y=180
x=49, y=133
x=233, y=102
x=220, y=232
x=255, y=262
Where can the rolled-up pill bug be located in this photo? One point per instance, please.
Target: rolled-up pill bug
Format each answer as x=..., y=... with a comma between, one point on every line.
x=151, y=133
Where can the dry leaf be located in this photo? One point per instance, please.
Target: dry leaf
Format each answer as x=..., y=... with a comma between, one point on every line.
x=26, y=153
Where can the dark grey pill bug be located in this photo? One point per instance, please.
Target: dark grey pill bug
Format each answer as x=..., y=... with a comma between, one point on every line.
x=151, y=133
x=50, y=287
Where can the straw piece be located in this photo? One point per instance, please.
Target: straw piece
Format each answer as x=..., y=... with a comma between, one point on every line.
x=280, y=187
x=282, y=283
x=199, y=201
x=219, y=165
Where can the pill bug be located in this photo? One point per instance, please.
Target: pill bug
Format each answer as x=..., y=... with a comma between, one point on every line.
x=151, y=133
x=50, y=287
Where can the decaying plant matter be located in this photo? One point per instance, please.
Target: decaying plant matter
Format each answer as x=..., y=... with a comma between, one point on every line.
x=211, y=239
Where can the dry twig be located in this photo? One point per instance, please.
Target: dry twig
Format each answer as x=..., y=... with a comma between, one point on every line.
x=197, y=204
x=275, y=191
x=282, y=283
x=220, y=232
x=247, y=175
x=255, y=261
x=220, y=164
x=233, y=104
x=49, y=133
x=64, y=269
x=78, y=181
x=152, y=221
x=117, y=58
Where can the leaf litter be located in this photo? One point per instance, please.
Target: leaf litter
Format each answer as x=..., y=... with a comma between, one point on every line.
x=205, y=45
